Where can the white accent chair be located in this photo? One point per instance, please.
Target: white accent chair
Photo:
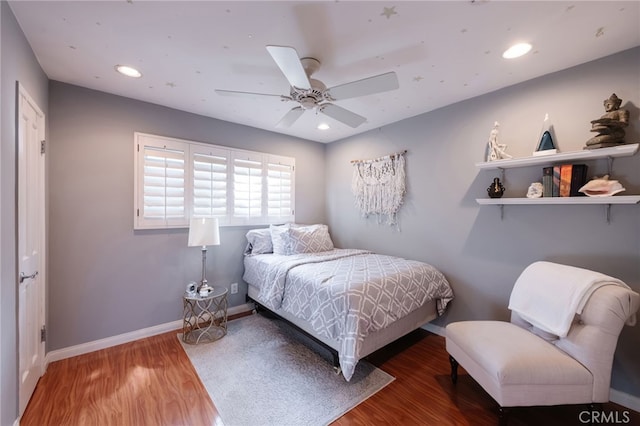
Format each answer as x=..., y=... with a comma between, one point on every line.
x=519, y=364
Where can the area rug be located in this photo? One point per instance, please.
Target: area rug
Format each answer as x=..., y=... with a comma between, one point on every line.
x=263, y=372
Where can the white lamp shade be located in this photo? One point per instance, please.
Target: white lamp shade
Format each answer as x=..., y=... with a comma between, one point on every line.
x=204, y=231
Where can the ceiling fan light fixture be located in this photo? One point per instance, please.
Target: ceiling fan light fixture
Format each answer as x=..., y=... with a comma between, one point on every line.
x=128, y=71
x=308, y=102
x=517, y=50
x=312, y=94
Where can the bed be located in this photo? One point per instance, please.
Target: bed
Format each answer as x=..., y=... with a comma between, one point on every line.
x=352, y=301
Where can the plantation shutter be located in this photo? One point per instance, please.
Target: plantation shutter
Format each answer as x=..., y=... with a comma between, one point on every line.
x=162, y=182
x=175, y=180
x=280, y=188
x=247, y=187
x=210, y=175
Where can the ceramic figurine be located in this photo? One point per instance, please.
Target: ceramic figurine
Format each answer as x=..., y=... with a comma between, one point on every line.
x=205, y=290
x=601, y=187
x=191, y=289
x=495, y=150
x=546, y=141
x=495, y=190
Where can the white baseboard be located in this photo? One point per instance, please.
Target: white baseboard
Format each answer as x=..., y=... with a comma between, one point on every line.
x=108, y=342
x=621, y=398
x=435, y=329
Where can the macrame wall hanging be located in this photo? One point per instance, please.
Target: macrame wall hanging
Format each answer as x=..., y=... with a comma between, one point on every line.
x=379, y=186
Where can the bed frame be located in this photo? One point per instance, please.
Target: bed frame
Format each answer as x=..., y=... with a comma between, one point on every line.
x=335, y=360
x=372, y=342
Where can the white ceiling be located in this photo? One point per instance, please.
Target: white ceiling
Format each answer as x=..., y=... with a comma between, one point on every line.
x=442, y=52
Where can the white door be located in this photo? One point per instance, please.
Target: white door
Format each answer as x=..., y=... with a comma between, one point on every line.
x=31, y=213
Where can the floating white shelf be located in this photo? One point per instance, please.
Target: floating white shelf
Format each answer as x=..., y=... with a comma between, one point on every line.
x=616, y=199
x=586, y=154
x=562, y=157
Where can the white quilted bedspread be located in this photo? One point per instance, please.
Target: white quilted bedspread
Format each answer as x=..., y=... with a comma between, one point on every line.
x=346, y=294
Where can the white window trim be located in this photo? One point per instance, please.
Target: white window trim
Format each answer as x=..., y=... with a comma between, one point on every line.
x=190, y=148
x=142, y=140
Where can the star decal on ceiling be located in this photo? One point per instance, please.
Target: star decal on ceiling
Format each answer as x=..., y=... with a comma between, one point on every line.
x=388, y=11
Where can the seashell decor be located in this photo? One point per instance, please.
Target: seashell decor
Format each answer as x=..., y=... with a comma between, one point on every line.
x=601, y=187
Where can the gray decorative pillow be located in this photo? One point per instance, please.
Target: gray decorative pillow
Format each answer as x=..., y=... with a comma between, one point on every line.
x=309, y=239
x=259, y=241
x=279, y=239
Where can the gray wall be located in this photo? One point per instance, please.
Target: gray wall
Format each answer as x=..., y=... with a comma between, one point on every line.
x=480, y=254
x=104, y=278
x=17, y=64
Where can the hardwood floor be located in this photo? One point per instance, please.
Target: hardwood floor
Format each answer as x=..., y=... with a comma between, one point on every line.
x=151, y=382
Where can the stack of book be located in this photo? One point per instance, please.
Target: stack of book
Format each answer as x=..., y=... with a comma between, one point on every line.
x=563, y=180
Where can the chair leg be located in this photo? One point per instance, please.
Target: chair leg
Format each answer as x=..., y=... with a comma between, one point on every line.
x=595, y=406
x=503, y=416
x=454, y=369
x=594, y=409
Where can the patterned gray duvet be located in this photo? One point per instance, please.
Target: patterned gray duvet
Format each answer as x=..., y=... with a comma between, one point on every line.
x=346, y=294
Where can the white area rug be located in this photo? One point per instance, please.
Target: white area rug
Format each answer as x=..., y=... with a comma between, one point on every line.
x=264, y=373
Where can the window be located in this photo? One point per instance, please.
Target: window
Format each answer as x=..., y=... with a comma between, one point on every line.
x=177, y=179
x=160, y=183
x=247, y=186
x=210, y=171
x=280, y=187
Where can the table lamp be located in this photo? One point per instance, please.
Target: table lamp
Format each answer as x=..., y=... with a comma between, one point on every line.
x=203, y=232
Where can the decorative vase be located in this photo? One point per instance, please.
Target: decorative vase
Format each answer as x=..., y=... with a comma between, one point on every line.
x=495, y=190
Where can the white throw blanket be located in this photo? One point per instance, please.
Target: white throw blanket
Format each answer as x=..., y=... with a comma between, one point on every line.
x=548, y=295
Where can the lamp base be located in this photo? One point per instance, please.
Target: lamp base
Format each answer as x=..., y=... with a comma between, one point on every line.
x=205, y=289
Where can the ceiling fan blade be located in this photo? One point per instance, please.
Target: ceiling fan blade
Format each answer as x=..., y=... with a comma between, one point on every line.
x=366, y=86
x=289, y=62
x=290, y=117
x=236, y=93
x=345, y=116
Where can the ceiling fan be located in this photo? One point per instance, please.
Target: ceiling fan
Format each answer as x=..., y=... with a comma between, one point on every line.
x=313, y=94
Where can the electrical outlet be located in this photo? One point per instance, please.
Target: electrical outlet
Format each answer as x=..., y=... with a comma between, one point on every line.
x=234, y=288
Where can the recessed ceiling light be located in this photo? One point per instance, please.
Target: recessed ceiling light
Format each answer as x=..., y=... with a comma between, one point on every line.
x=128, y=71
x=516, y=50
x=323, y=126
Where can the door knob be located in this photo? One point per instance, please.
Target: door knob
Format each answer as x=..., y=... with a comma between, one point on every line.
x=26, y=277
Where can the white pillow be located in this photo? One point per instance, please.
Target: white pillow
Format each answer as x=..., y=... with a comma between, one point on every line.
x=308, y=239
x=259, y=241
x=279, y=239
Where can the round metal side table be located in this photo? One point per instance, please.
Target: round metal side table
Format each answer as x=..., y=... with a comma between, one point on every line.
x=204, y=317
